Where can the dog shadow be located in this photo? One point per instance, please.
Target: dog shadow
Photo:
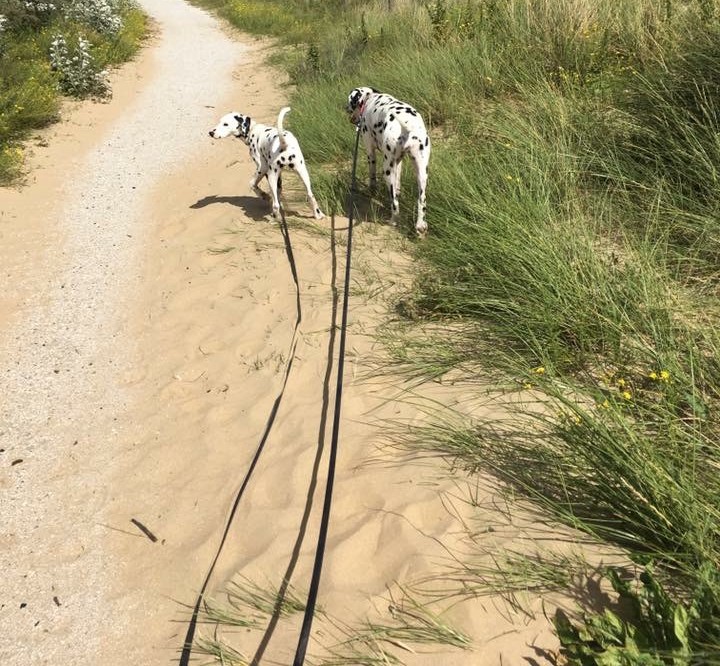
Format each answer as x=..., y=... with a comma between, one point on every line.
x=254, y=207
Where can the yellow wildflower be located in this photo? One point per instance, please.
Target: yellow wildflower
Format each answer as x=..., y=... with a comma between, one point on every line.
x=664, y=375
x=653, y=375
x=540, y=370
x=627, y=395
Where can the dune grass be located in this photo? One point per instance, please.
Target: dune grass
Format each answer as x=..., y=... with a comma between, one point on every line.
x=573, y=251
x=409, y=626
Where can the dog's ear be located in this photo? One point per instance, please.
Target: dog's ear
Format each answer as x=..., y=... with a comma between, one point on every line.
x=375, y=91
x=243, y=124
x=354, y=99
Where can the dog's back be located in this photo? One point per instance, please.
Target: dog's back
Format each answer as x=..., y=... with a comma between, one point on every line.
x=388, y=115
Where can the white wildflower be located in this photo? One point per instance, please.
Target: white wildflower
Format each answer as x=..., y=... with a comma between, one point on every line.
x=78, y=74
x=101, y=15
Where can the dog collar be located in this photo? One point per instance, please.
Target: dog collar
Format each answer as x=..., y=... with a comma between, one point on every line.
x=357, y=114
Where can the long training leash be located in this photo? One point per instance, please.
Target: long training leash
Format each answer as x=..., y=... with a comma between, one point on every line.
x=192, y=626
x=325, y=521
x=322, y=436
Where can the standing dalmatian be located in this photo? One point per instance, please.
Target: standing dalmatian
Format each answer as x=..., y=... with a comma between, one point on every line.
x=396, y=129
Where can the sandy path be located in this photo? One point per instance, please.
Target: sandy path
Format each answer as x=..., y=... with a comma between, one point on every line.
x=149, y=309
x=64, y=352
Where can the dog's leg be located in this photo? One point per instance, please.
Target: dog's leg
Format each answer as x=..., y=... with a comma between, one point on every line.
x=391, y=171
x=254, y=184
x=372, y=166
x=420, y=160
x=259, y=173
x=273, y=175
x=255, y=181
x=302, y=171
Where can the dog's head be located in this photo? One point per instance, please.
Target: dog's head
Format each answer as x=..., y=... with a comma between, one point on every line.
x=232, y=123
x=356, y=102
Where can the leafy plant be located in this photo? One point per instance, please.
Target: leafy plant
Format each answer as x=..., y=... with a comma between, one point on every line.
x=101, y=15
x=650, y=629
x=78, y=73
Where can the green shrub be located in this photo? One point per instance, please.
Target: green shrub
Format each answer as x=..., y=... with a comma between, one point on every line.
x=34, y=33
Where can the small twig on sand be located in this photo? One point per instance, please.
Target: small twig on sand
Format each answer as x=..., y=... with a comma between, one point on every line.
x=144, y=530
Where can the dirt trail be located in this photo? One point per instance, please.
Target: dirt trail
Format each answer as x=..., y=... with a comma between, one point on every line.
x=148, y=306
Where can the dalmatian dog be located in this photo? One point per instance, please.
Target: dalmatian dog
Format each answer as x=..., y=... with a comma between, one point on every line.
x=272, y=149
x=396, y=129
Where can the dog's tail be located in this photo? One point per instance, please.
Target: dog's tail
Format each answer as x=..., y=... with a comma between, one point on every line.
x=410, y=139
x=281, y=131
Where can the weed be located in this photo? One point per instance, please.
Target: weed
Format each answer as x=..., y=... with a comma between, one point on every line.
x=653, y=629
x=78, y=73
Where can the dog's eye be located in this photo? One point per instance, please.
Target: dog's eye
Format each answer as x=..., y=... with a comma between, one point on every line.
x=225, y=124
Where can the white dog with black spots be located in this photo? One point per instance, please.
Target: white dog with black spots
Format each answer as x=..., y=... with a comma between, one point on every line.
x=272, y=149
x=396, y=129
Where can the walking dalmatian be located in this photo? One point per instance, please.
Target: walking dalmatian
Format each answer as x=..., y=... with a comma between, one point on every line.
x=272, y=149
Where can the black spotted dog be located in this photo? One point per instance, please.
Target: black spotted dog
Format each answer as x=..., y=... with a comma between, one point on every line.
x=396, y=129
x=272, y=149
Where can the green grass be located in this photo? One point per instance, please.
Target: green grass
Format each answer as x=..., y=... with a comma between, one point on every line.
x=29, y=97
x=409, y=626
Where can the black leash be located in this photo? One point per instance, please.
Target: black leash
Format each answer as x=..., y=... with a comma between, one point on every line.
x=324, y=523
x=321, y=438
x=190, y=635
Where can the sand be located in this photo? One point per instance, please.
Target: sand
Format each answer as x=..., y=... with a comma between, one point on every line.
x=149, y=310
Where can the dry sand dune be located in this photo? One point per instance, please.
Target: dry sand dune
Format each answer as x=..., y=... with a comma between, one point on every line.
x=149, y=308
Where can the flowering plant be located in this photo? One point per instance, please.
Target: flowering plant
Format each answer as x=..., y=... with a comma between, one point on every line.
x=78, y=74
